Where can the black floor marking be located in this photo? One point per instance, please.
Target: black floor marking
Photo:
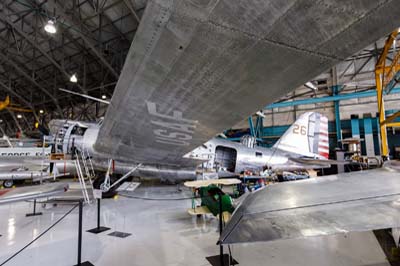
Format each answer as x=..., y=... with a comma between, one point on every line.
x=119, y=234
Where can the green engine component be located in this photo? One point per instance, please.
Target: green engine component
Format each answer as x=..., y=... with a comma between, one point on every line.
x=210, y=198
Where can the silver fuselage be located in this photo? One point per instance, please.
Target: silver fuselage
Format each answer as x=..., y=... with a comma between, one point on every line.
x=215, y=155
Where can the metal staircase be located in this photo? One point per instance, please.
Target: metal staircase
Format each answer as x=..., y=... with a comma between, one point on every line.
x=85, y=171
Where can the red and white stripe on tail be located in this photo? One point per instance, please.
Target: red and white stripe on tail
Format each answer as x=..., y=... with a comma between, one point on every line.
x=308, y=136
x=323, y=140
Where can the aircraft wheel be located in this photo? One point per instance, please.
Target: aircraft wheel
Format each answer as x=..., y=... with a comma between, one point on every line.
x=8, y=183
x=105, y=195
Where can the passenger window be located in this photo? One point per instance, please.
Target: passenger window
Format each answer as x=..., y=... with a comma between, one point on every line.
x=258, y=154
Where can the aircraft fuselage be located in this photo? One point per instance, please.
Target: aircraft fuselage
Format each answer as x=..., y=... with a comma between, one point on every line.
x=216, y=154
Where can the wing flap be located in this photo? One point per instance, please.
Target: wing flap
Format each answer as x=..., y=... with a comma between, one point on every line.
x=357, y=201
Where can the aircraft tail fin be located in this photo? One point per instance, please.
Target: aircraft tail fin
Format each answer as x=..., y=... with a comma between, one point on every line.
x=308, y=136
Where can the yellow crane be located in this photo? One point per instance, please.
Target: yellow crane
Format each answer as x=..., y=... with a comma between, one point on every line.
x=6, y=104
x=384, y=77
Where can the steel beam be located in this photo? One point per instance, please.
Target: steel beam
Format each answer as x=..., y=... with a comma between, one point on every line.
x=29, y=78
x=392, y=117
x=8, y=126
x=15, y=120
x=82, y=31
x=380, y=70
x=40, y=49
x=104, y=15
x=251, y=126
x=360, y=68
x=22, y=99
x=131, y=8
x=339, y=97
x=336, y=90
x=381, y=111
x=393, y=124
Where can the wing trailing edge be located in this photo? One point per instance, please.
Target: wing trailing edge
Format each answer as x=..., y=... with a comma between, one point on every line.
x=357, y=201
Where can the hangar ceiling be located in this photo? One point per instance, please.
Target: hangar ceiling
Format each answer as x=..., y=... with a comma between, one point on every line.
x=92, y=40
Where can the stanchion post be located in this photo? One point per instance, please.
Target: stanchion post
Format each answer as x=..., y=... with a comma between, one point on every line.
x=221, y=259
x=34, y=213
x=221, y=248
x=98, y=213
x=99, y=228
x=79, y=259
x=80, y=233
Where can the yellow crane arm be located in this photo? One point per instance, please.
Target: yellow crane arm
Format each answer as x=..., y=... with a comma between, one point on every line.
x=380, y=65
x=18, y=109
x=5, y=103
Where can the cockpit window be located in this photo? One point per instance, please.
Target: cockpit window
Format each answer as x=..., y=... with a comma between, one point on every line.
x=79, y=131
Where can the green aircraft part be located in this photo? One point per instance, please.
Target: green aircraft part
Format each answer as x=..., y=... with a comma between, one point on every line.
x=210, y=198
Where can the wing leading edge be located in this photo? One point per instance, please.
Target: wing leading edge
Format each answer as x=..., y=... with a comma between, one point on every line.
x=31, y=192
x=196, y=68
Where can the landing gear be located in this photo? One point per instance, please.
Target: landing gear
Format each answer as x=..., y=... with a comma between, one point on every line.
x=108, y=184
x=98, y=183
x=8, y=183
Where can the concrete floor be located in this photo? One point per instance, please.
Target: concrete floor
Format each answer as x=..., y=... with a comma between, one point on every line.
x=162, y=234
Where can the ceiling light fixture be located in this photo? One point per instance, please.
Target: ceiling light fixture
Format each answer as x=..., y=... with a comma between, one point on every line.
x=50, y=27
x=41, y=111
x=19, y=116
x=104, y=96
x=261, y=114
x=73, y=78
x=311, y=86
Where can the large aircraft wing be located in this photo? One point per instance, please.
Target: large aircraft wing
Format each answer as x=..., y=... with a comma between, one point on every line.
x=31, y=192
x=357, y=201
x=198, y=67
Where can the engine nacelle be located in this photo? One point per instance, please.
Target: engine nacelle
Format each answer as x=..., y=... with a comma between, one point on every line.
x=73, y=134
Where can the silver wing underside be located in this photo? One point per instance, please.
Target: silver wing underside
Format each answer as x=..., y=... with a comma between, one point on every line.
x=198, y=67
x=31, y=192
x=357, y=201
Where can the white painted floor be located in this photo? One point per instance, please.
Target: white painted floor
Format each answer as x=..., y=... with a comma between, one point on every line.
x=162, y=234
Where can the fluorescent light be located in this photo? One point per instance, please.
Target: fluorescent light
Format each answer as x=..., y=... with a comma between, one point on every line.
x=41, y=111
x=104, y=96
x=260, y=114
x=19, y=116
x=50, y=27
x=311, y=86
x=73, y=78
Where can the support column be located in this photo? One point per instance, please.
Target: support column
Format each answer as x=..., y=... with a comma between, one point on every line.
x=369, y=137
x=335, y=90
x=355, y=126
x=379, y=133
x=381, y=112
x=251, y=127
